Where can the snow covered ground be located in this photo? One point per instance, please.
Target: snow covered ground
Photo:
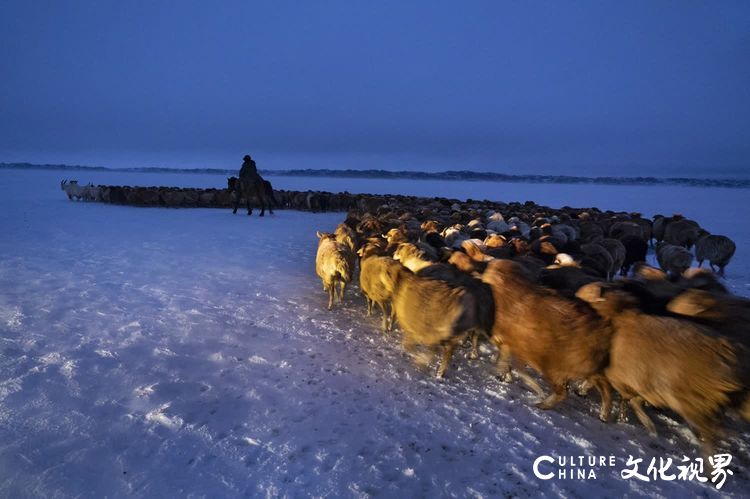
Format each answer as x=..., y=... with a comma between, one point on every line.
x=164, y=353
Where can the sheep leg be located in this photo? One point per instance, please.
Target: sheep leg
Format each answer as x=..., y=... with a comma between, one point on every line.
x=445, y=361
x=584, y=387
x=386, y=317
x=622, y=417
x=559, y=393
x=503, y=363
x=392, y=318
x=331, y=291
x=342, y=288
x=383, y=308
x=369, y=306
x=421, y=359
x=637, y=404
x=603, y=387
x=474, y=354
x=530, y=382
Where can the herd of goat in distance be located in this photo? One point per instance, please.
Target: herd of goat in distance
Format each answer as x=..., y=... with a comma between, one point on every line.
x=565, y=292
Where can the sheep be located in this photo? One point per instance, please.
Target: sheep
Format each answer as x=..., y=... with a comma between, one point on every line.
x=429, y=226
x=563, y=339
x=454, y=236
x=718, y=250
x=495, y=241
x=546, y=248
x=519, y=226
x=433, y=314
x=673, y=259
x=564, y=232
x=657, y=228
x=729, y=315
x=565, y=278
x=334, y=263
x=378, y=278
x=482, y=293
x=412, y=257
x=91, y=192
x=668, y=363
x=646, y=225
x=695, y=278
x=498, y=226
x=635, y=251
x=597, y=258
x=345, y=235
x=435, y=240
x=475, y=249
x=591, y=232
x=618, y=252
x=626, y=228
x=682, y=232
x=465, y=263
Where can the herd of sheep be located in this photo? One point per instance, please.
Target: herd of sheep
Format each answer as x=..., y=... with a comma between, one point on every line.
x=565, y=292
x=189, y=197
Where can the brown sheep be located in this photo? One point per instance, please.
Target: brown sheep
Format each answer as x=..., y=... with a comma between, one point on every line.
x=334, y=263
x=563, y=339
x=668, y=363
x=465, y=263
x=345, y=235
x=378, y=278
x=482, y=293
x=495, y=241
x=412, y=256
x=433, y=314
x=729, y=315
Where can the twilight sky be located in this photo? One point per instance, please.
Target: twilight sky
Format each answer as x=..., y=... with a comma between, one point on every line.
x=652, y=87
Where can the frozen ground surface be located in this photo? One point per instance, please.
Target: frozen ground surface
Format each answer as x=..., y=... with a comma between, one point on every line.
x=164, y=353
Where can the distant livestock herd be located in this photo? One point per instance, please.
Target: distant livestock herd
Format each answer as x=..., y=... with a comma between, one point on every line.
x=186, y=197
x=541, y=285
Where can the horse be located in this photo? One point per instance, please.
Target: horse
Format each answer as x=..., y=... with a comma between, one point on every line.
x=232, y=185
x=251, y=184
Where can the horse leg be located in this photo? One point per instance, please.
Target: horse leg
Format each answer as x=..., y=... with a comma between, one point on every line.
x=270, y=202
x=262, y=199
x=249, y=208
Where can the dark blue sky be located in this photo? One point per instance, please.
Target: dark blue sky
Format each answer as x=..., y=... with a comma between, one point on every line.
x=539, y=87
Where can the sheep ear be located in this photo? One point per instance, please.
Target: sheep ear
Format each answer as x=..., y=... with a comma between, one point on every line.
x=317, y=233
